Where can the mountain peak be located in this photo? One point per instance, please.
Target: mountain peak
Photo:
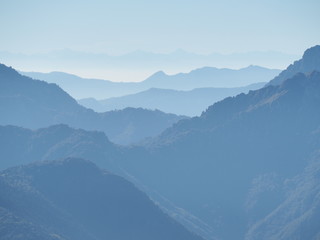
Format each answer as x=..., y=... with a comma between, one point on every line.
x=159, y=73
x=309, y=62
x=311, y=52
x=156, y=76
x=6, y=71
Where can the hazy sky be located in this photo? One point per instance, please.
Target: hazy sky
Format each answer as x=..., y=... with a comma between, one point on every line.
x=117, y=27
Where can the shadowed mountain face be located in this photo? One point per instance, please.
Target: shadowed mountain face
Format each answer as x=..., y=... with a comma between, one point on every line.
x=79, y=87
x=31, y=103
x=73, y=199
x=189, y=103
x=309, y=62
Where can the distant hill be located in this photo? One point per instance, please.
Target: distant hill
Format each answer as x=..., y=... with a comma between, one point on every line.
x=33, y=104
x=200, y=78
x=22, y=146
x=73, y=199
x=310, y=62
x=211, y=77
x=138, y=65
x=189, y=103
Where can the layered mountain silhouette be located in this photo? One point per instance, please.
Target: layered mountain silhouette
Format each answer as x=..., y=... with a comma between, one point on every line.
x=199, y=78
x=248, y=167
x=213, y=161
x=188, y=103
x=310, y=62
x=211, y=77
x=230, y=167
x=22, y=146
x=33, y=104
x=73, y=199
x=137, y=65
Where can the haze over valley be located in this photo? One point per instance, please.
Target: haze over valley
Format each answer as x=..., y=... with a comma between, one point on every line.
x=169, y=120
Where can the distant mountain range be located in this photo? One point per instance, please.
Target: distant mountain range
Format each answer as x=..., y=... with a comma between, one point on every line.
x=200, y=78
x=138, y=65
x=55, y=142
x=33, y=104
x=188, y=103
x=73, y=199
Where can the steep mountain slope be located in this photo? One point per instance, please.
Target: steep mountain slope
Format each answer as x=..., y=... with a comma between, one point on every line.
x=309, y=62
x=189, y=103
x=199, y=78
x=22, y=146
x=73, y=199
x=213, y=160
x=297, y=217
x=33, y=104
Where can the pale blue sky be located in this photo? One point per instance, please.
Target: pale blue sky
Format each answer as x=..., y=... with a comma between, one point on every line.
x=200, y=26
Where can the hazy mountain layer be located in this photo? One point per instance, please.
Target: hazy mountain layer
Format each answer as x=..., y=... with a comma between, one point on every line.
x=198, y=78
x=189, y=103
x=33, y=104
x=21, y=146
x=138, y=65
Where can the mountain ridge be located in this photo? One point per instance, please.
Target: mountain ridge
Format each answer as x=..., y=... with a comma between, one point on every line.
x=234, y=139
x=197, y=78
x=34, y=104
x=65, y=200
x=308, y=63
x=189, y=103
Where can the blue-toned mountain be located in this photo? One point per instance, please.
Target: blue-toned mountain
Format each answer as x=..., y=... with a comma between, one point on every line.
x=309, y=62
x=33, y=104
x=213, y=161
x=72, y=199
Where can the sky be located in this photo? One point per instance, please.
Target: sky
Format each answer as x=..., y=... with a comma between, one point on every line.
x=122, y=26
